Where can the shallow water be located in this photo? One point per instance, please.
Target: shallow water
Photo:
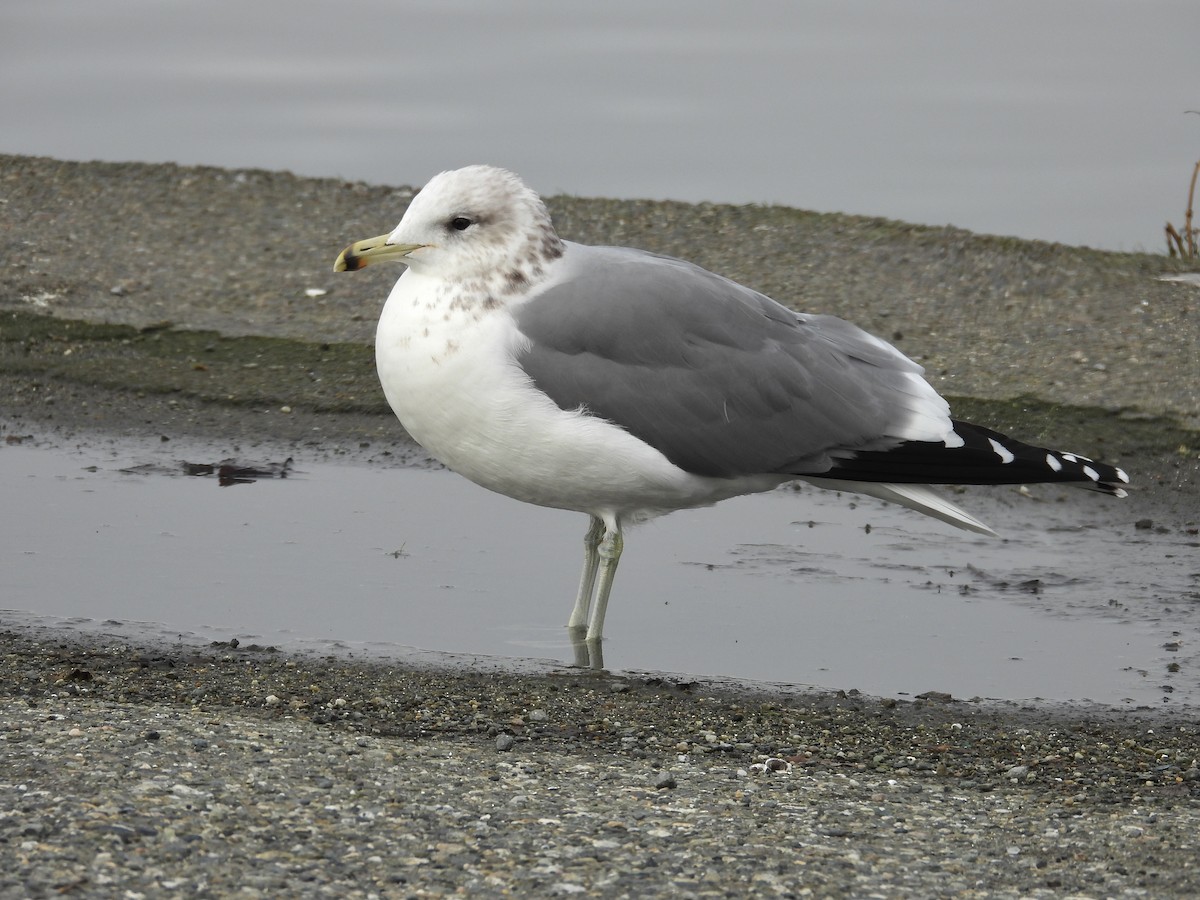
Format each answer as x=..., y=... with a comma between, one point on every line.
x=1073, y=604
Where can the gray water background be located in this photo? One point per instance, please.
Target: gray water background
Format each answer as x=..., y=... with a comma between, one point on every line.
x=1062, y=120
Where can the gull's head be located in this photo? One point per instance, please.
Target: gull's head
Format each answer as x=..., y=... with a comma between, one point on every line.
x=467, y=224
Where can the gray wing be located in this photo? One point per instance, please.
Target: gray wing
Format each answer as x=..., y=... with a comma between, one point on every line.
x=721, y=379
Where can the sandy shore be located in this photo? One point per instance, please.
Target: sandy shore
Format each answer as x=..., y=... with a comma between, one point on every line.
x=150, y=301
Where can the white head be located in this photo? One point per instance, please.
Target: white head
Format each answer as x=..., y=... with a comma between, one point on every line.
x=477, y=224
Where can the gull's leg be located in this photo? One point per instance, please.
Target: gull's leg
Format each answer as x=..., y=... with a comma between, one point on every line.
x=587, y=580
x=583, y=650
x=595, y=654
x=610, y=554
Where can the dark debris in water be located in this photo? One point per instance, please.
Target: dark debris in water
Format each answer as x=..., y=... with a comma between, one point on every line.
x=1036, y=584
x=235, y=644
x=228, y=471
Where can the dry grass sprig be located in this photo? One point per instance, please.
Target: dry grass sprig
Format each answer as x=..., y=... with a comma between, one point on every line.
x=1185, y=245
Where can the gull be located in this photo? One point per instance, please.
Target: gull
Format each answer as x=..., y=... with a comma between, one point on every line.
x=626, y=385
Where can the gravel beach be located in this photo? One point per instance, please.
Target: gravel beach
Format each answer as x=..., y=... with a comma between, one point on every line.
x=152, y=302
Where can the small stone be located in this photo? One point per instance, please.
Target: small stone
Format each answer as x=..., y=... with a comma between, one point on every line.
x=665, y=781
x=504, y=742
x=35, y=828
x=124, y=832
x=936, y=696
x=538, y=715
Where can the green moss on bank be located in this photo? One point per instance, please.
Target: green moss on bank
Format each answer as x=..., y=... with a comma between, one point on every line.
x=201, y=364
x=340, y=378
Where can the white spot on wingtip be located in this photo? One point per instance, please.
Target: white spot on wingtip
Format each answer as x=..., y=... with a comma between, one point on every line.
x=1123, y=477
x=1120, y=492
x=1053, y=463
x=1001, y=451
x=1091, y=473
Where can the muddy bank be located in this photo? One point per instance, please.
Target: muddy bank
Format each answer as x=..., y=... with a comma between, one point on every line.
x=251, y=252
x=211, y=771
x=207, y=295
x=166, y=303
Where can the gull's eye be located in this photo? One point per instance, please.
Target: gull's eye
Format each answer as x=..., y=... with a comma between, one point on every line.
x=460, y=223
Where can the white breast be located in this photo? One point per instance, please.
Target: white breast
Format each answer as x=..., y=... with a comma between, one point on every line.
x=450, y=376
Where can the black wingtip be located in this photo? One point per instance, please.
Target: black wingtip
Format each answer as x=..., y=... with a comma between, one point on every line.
x=983, y=457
